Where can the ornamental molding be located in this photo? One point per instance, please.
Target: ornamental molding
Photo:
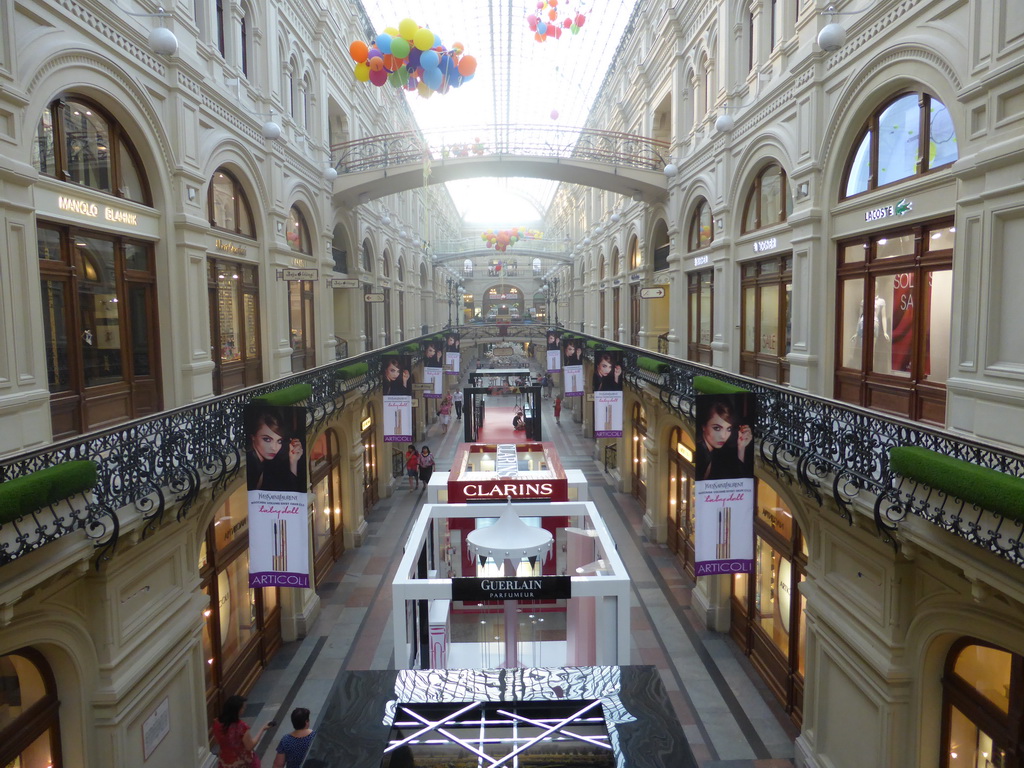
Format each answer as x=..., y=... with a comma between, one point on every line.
x=117, y=39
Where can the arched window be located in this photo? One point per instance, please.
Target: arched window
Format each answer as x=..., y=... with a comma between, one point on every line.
x=702, y=232
x=385, y=265
x=679, y=494
x=228, y=206
x=467, y=267
x=636, y=259
x=768, y=200
x=29, y=721
x=78, y=142
x=982, y=706
x=536, y=267
x=218, y=20
x=600, y=266
x=401, y=270
x=243, y=37
x=638, y=473
x=307, y=95
x=297, y=233
x=660, y=245
x=365, y=256
x=290, y=76
x=616, y=261
x=907, y=136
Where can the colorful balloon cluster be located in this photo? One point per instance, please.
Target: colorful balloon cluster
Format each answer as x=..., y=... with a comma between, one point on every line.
x=506, y=238
x=412, y=57
x=546, y=23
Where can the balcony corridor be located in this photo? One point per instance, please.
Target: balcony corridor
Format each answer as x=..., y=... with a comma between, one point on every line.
x=730, y=718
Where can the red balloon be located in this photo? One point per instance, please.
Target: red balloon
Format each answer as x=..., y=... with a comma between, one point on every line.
x=378, y=77
x=580, y=18
x=567, y=23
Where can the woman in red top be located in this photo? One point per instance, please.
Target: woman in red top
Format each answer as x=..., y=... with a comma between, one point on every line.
x=233, y=738
x=412, y=467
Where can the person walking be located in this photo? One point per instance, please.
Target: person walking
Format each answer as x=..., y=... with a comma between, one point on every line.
x=232, y=736
x=558, y=407
x=548, y=383
x=426, y=465
x=457, y=398
x=445, y=413
x=412, y=467
x=292, y=748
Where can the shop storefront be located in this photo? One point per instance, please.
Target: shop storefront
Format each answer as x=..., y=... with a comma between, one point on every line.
x=368, y=437
x=766, y=290
x=96, y=232
x=300, y=295
x=700, y=294
x=234, y=293
x=767, y=609
x=681, y=536
x=328, y=522
x=638, y=459
x=243, y=626
x=29, y=712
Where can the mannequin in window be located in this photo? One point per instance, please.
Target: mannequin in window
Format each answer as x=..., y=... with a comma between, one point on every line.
x=880, y=330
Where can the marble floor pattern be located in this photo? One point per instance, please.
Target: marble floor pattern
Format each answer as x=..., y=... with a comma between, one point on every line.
x=730, y=718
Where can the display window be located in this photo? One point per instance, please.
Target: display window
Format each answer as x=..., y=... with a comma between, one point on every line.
x=638, y=472
x=702, y=231
x=78, y=142
x=982, y=707
x=328, y=523
x=602, y=305
x=700, y=311
x=895, y=290
x=680, y=496
x=768, y=200
x=228, y=206
x=370, y=460
x=767, y=607
x=616, y=312
x=29, y=712
x=234, y=294
x=99, y=319
x=635, y=305
x=766, y=287
x=297, y=233
x=909, y=135
x=636, y=257
x=300, y=323
x=241, y=626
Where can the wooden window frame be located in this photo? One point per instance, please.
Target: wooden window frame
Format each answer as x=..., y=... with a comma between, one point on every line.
x=767, y=367
x=241, y=203
x=754, y=198
x=696, y=351
x=695, y=243
x=41, y=716
x=247, y=371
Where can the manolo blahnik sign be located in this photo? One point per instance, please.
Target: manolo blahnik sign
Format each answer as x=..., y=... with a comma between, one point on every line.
x=514, y=588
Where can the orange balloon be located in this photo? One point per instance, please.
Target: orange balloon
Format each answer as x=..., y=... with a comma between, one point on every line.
x=376, y=64
x=389, y=62
x=538, y=37
x=552, y=14
x=553, y=3
x=358, y=51
x=467, y=66
x=458, y=47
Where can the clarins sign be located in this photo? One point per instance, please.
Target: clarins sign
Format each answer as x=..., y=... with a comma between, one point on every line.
x=525, y=588
x=507, y=488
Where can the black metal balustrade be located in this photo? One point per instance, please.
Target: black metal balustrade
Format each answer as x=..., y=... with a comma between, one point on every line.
x=163, y=462
x=402, y=148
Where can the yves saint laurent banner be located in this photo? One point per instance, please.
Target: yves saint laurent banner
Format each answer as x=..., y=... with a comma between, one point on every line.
x=433, y=369
x=452, y=354
x=724, y=462
x=397, y=375
x=572, y=367
x=277, y=483
x=512, y=588
x=607, y=393
x=554, y=354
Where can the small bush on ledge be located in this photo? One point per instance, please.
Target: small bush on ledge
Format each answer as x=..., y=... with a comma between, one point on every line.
x=705, y=385
x=352, y=371
x=23, y=495
x=292, y=395
x=652, y=365
x=988, y=489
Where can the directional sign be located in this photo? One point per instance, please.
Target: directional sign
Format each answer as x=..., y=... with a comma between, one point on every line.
x=374, y=298
x=652, y=293
x=299, y=274
x=342, y=282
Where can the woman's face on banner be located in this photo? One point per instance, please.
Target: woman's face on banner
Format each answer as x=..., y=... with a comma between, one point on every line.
x=392, y=371
x=267, y=443
x=570, y=350
x=604, y=367
x=717, y=432
x=431, y=350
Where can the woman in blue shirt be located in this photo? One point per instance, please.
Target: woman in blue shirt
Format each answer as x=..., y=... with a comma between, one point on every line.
x=292, y=748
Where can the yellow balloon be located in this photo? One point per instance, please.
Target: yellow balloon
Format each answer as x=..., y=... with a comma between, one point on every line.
x=424, y=90
x=407, y=28
x=423, y=39
x=391, y=31
x=362, y=72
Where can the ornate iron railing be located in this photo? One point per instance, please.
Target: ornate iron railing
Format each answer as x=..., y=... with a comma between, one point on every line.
x=591, y=144
x=822, y=446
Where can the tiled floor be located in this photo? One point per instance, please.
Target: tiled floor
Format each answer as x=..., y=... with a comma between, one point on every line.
x=730, y=718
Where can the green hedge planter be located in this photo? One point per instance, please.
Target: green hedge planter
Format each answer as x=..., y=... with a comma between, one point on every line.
x=296, y=393
x=995, y=491
x=652, y=365
x=352, y=371
x=22, y=495
x=706, y=385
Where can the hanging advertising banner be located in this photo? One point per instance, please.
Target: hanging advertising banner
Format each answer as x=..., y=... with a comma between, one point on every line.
x=607, y=393
x=554, y=358
x=724, y=462
x=433, y=369
x=398, y=381
x=452, y=354
x=572, y=367
x=902, y=322
x=278, y=485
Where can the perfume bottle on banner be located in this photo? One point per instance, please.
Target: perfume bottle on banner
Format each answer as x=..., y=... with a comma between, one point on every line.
x=608, y=418
x=398, y=421
x=724, y=546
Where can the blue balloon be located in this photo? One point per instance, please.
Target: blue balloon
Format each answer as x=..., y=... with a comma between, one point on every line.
x=448, y=66
x=542, y=28
x=384, y=42
x=456, y=80
x=429, y=60
x=437, y=41
x=433, y=78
